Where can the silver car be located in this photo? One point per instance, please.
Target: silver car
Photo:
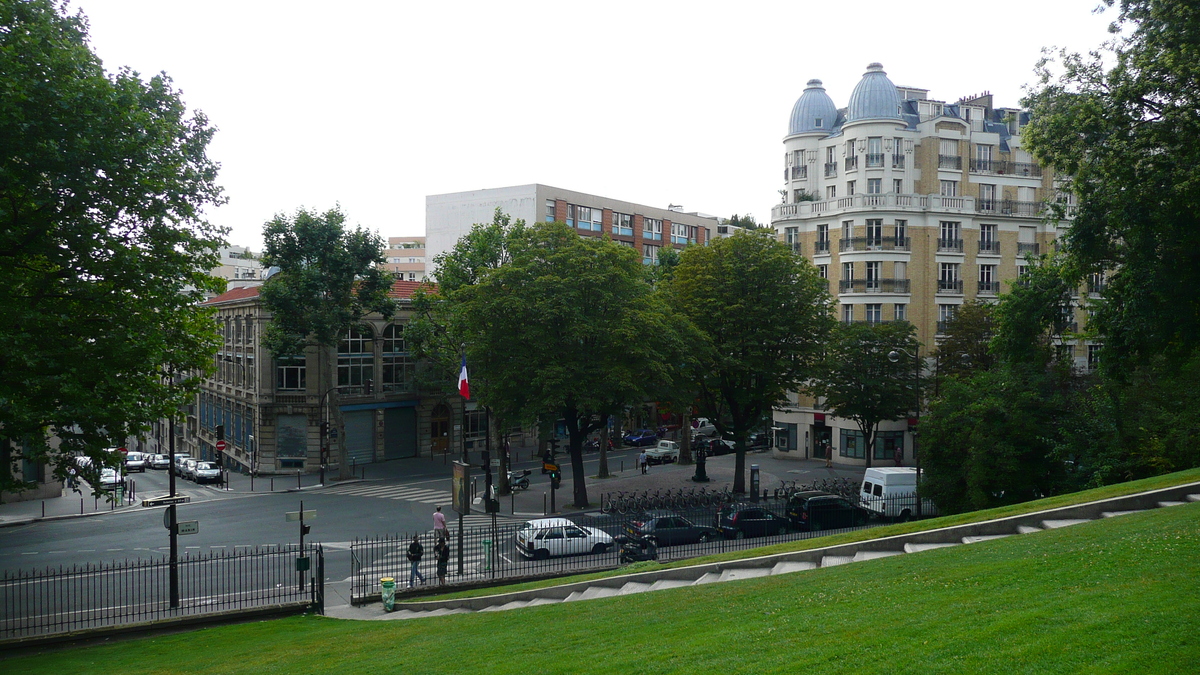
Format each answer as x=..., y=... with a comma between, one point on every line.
x=206, y=472
x=547, y=537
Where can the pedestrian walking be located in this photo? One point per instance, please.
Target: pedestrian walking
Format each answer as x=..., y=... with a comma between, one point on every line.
x=828, y=455
x=439, y=525
x=442, y=552
x=644, y=461
x=415, y=551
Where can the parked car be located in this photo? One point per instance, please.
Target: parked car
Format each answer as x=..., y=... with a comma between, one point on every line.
x=665, y=451
x=738, y=521
x=891, y=492
x=641, y=437
x=664, y=528
x=159, y=462
x=815, y=510
x=206, y=472
x=180, y=458
x=110, y=479
x=703, y=427
x=189, y=469
x=714, y=446
x=550, y=537
x=135, y=461
x=759, y=441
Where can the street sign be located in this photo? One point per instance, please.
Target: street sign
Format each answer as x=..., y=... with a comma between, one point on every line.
x=188, y=527
x=165, y=500
x=460, y=496
x=221, y=446
x=496, y=462
x=293, y=516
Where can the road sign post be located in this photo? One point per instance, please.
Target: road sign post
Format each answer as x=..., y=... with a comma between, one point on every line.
x=302, y=560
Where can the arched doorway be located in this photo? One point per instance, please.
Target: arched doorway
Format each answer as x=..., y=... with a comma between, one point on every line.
x=439, y=429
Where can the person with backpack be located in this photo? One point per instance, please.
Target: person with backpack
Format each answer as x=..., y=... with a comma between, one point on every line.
x=415, y=551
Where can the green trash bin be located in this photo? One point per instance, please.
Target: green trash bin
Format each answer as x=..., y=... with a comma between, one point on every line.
x=389, y=593
x=487, y=554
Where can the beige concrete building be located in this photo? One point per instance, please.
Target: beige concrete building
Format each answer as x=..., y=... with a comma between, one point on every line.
x=406, y=258
x=909, y=206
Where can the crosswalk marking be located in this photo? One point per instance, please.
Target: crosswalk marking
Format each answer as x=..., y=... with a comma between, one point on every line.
x=397, y=492
x=396, y=563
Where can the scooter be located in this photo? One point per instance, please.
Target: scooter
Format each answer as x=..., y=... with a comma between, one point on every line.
x=519, y=480
x=638, y=549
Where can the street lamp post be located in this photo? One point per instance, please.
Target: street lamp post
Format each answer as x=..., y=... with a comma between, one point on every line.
x=894, y=357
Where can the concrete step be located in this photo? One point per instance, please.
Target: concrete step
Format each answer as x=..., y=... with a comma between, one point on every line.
x=835, y=560
x=669, y=583
x=599, y=592
x=1027, y=529
x=506, y=606
x=577, y=595
x=872, y=555
x=631, y=587
x=1193, y=498
x=917, y=548
x=745, y=573
x=1066, y=522
x=983, y=537
x=1114, y=514
x=1166, y=504
x=709, y=578
x=543, y=601
x=789, y=567
x=407, y=614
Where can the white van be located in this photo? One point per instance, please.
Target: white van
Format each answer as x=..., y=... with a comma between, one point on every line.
x=891, y=492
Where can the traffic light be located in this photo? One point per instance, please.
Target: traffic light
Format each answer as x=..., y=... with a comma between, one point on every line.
x=324, y=430
x=220, y=432
x=555, y=478
x=486, y=460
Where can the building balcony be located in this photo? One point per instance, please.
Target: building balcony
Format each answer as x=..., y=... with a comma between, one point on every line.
x=950, y=245
x=874, y=160
x=1005, y=168
x=952, y=162
x=941, y=327
x=1027, y=248
x=915, y=202
x=989, y=287
x=897, y=161
x=830, y=169
x=799, y=172
x=874, y=244
x=950, y=287
x=989, y=247
x=821, y=247
x=874, y=286
x=985, y=165
x=1095, y=288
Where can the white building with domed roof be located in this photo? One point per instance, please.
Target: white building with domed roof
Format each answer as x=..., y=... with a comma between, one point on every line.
x=909, y=206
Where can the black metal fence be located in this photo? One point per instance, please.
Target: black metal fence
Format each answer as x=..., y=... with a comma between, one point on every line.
x=484, y=554
x=65, y=599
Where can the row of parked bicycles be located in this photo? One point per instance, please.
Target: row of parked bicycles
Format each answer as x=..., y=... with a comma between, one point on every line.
x=843, y=487
x=624, y=501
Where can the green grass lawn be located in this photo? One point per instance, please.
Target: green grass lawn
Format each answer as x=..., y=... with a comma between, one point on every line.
x=1111, y=596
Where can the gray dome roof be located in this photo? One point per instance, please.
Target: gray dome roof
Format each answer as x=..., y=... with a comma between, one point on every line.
x=814, y=110
x=874, y=98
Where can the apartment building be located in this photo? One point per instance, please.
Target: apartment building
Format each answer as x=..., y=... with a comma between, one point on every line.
x=645, y=228
x=909, y=206
x=406, y=258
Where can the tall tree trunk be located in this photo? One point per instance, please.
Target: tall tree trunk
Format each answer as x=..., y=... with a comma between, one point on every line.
x=575, y=436
x=336, y=419
x=603, y=471
x=685, y=439
x=504, y=488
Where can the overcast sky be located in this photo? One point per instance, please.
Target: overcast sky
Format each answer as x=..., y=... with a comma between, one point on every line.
x=374, y=105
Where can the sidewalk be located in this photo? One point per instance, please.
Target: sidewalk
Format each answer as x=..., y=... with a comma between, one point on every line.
x=70, y=504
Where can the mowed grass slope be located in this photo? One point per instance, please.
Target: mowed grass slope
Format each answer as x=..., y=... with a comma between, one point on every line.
x=1114, y=596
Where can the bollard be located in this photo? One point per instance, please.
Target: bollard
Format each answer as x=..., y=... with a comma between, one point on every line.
x=622, y=465
x=545, y=508
x=81, y=506
x=43, y=508
x=297, y=479
x=272, y=483
x=512, y=504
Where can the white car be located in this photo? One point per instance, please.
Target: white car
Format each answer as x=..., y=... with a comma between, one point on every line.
x=206, y=472
x=548, y=537
x=665, y=451
x=136, y=461
x=159, y=462
x=109, y=479
x=702, y=427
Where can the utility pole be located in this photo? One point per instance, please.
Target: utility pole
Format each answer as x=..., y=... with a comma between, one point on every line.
x=173, y=518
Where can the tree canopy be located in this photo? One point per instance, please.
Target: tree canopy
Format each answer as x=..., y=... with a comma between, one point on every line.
x=763, y=313
x=568, y=326
x=329, y=278
x=104, y=246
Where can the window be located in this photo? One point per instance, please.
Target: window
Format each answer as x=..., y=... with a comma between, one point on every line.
x=987, y=280
x=823, y=238
x=983, y=158
x=831, y=192
x=949, y=188
x=584, y=217
x=550, y=211
x=1093, y=357
x=874, y=151
x=847, y=229
x=874, y=313
x=1022, y=271
x=823, y=271
x=988, y=243
x=571, y=215
x=948, y=278
x=398, y=367
x=851, y=158
x=874, y=186
x=946, y=313
x=679, y=233
x=889, y=445
x=849, y=188
x=874, y=233
x=852, y=444
x=873, y=269
x=830, y=161
x=847, y=271
x=898, y=154
x=622, y=224
x=901, y=311
x=901, y=232
x=791, y=237
x=949, y=239
x=650, y=254
x=987, y=197
x=847, y=313
x=290, y=374
x=898, y=185
x=356, y=357
x=652, y=229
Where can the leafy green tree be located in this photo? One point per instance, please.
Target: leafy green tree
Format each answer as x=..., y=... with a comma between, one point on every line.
x=763, y=314
x=964, y=349
x=568, y=326
x=1119, y=126
x=859, y=380
x=104, y=250
x=329, y=279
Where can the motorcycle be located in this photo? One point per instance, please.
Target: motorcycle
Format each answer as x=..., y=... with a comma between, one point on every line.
x=637, y=549
x=519, y=480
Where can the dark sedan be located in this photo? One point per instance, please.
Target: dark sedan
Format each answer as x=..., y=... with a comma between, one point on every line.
x=665, y=528
x=713, y=446
x=737, y=521
x=641, y=437
x=816, y=510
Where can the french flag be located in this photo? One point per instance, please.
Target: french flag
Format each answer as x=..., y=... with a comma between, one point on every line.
x=464, y=388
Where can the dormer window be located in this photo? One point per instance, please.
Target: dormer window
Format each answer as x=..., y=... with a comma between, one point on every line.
x=818, y=123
